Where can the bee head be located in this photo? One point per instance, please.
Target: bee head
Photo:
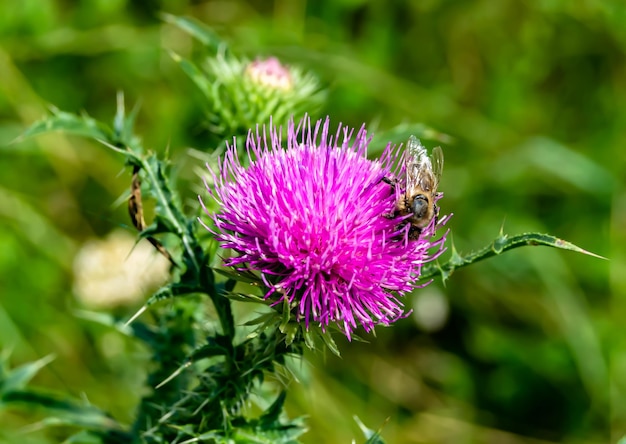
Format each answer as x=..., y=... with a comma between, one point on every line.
x=419, y=207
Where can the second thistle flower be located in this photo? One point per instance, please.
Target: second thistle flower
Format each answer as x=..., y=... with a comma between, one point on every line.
x=243, y=93
x=316, y=219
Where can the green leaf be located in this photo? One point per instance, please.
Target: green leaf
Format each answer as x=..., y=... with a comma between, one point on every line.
x=401, y=133
x=62, y=411
x=290, y=330
x=279, y=434
x=230, y=284
x=270, y=417
x=105, y=319
x=83, y=437
x=309, y=336
x=198, y=77
x=19, y=377
x=329, y=341
x=196, y=29
x=286, y=314
x=123, y=125
x=264, y=321
x=550, y=158
x=214, y=348
x=501, y=244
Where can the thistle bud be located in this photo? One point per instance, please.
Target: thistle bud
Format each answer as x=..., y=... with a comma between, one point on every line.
x=270, y=73
x=242, y=94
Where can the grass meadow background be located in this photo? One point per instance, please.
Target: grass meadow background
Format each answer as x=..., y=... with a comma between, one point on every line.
x=529, y=347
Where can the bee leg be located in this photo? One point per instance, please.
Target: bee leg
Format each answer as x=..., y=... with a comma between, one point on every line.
x=392, y=183
x=414, y=233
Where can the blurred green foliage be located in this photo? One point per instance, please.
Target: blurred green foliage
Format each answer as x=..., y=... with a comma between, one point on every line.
x=531, y=345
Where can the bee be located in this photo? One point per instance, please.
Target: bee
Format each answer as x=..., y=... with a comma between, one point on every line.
x=422, y=174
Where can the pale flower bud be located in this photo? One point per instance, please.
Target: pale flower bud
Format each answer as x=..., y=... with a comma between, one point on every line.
x=270, y=73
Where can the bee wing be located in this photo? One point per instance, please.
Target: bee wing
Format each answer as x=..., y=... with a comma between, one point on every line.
x=415, y=148
x=437, y=162
x=417, y=164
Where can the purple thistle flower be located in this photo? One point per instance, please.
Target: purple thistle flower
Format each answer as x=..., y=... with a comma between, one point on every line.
x=316, y=219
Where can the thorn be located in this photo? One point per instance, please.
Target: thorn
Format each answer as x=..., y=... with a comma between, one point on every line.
x=560, y=243
x=455, y=258
x=500, y=241
x=177, y=372
x=174, y=56
x=113, y=147
x=135, y=316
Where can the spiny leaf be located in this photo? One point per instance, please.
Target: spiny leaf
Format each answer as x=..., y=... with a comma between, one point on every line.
x=168, y=205
x=501, y=244
x=172, y=290
x=132, y=329
x=280, y=434
x=70, y=123
x=240, y=276
x=215, y=347
x=372, y=436
x=166, y=292
x=273, y=317
x=243, y=297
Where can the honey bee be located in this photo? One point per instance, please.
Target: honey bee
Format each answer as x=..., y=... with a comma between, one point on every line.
x=422, y=174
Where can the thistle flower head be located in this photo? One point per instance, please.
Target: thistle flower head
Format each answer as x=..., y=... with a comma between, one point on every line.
x=317, y=221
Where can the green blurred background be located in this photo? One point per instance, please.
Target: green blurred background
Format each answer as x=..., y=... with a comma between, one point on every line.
x=525, y=348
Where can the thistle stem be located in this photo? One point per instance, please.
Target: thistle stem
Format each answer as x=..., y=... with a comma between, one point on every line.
x=501, y=244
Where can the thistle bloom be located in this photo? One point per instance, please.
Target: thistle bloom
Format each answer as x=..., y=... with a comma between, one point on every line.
x=317, y=221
